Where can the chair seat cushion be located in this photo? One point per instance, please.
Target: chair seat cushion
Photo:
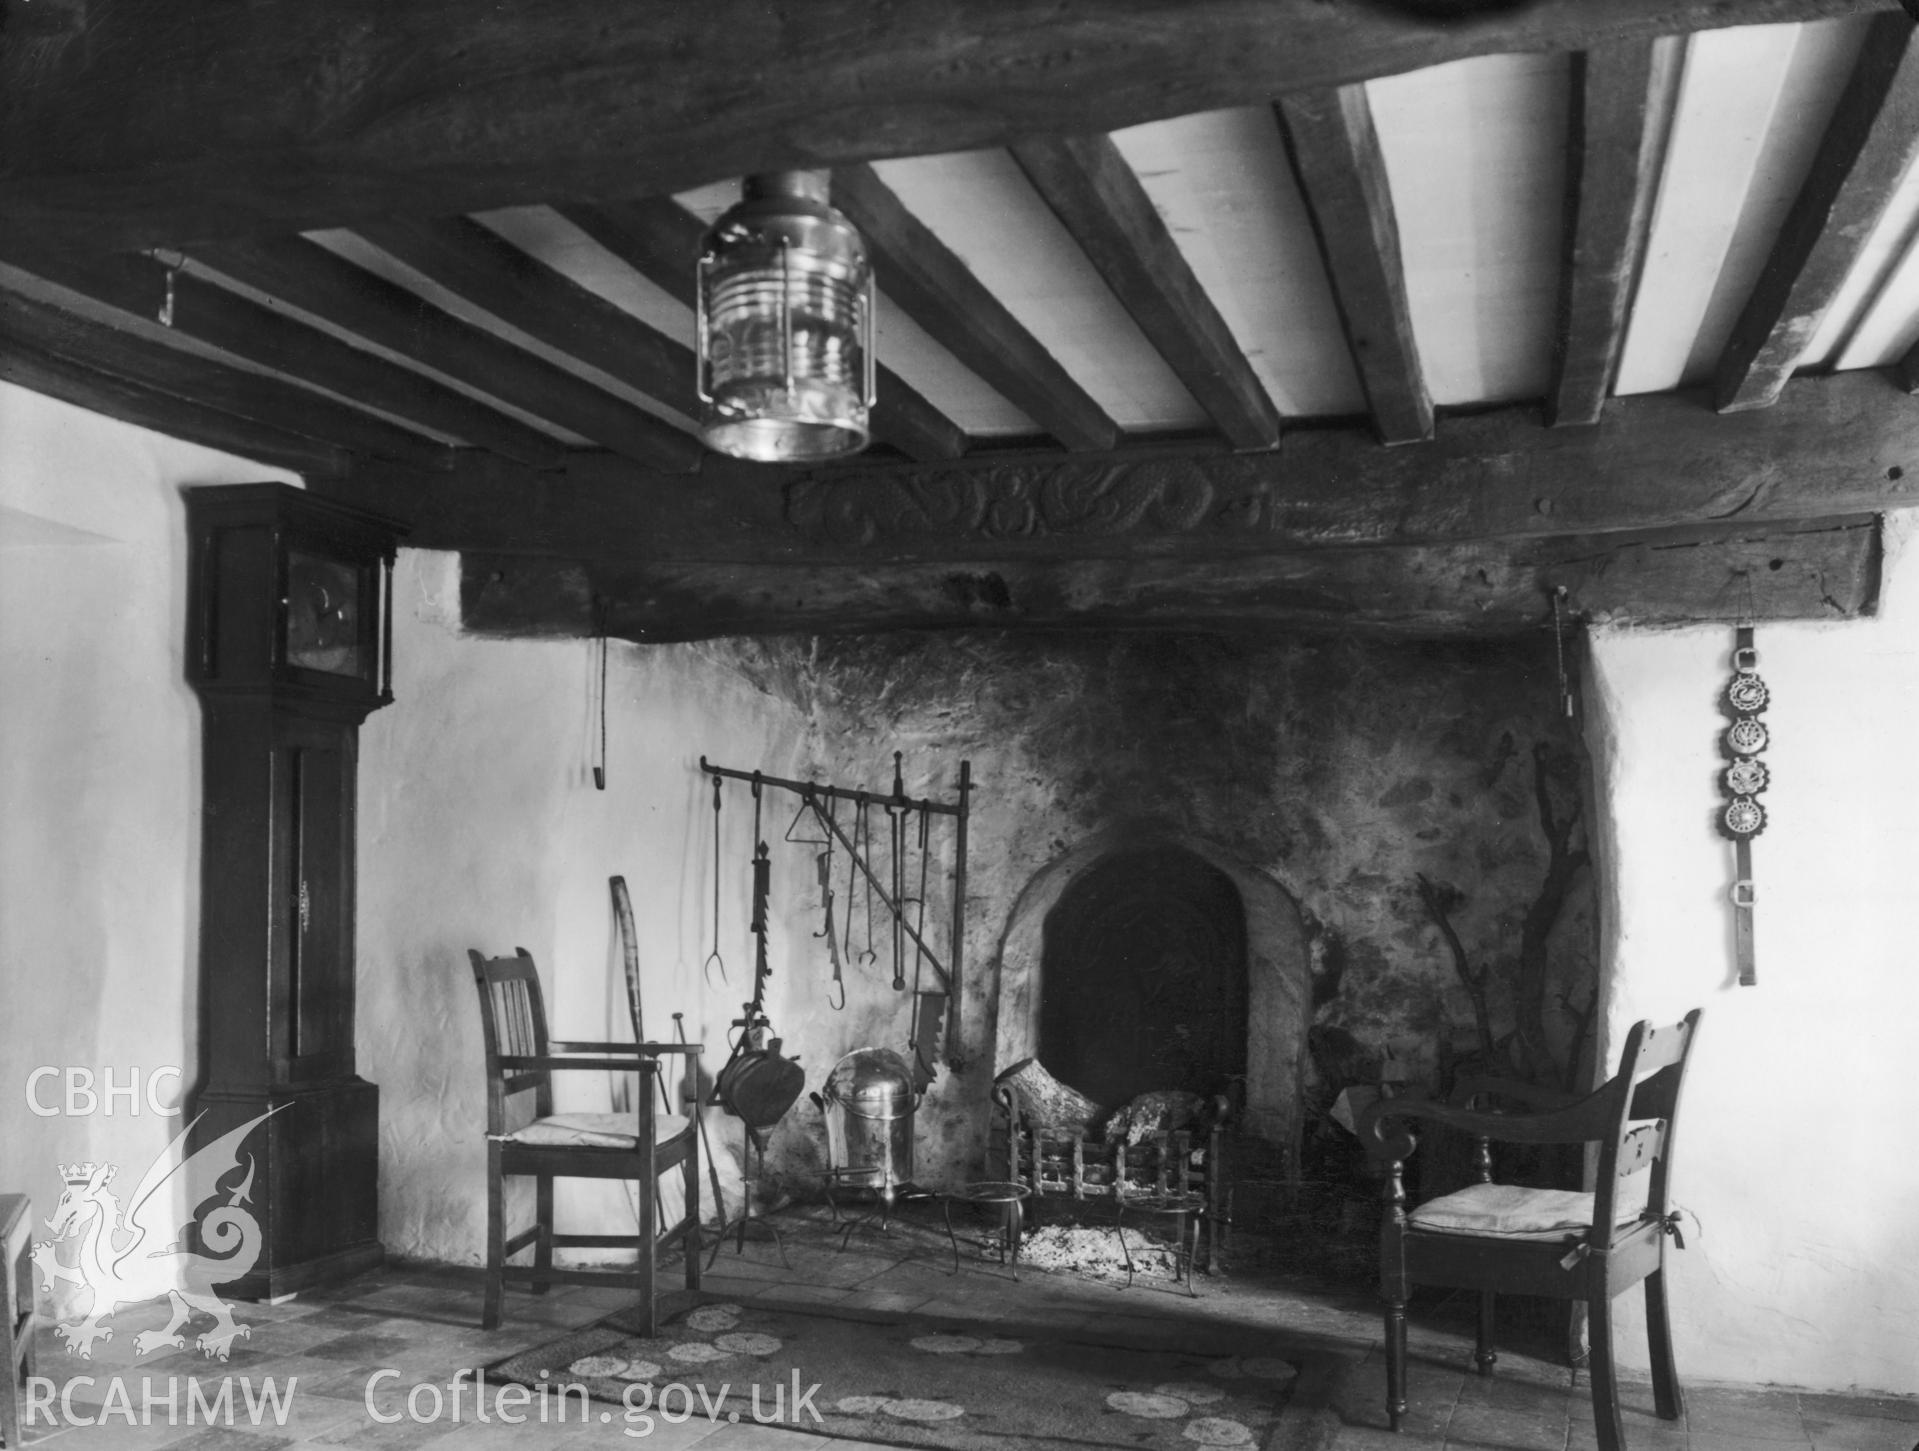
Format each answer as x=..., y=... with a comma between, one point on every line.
x=592, y=1130
x=1511, y=1211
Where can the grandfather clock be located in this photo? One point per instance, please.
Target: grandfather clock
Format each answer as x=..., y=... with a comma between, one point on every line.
x=289, y=647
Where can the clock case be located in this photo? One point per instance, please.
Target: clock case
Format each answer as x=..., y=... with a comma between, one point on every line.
x=279, y=786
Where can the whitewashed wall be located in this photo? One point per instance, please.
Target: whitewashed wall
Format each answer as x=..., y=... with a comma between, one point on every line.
x=99, y=783
x=1796, y=1154
x=480, y=827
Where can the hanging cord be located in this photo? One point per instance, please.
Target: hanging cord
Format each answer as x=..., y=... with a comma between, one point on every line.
x=706, y=968
x=599, y=619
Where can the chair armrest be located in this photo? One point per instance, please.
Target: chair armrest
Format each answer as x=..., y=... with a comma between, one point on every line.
x=646, y=1050
x=1535, y=1096
x=1383, y=1124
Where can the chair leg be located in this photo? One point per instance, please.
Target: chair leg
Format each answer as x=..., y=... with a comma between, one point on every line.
x=543, y=1246
x=1483, y=1354
x=495, y=1242
x=1395, y=1363
x=10, y=1392
x=1609, y=1429
x=1667, y=1398
x=691, y=1247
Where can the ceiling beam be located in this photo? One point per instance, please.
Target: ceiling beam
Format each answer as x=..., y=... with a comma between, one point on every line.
x=281, y=406
x=1619, y=118
x=112, y=397
x=1099, y=200
x=307, y=276
x=1825, y=570
x=490, y=273
x=126, y=125
x=921, y=275
x=1843, y=444
x=660, y=239
x=269, y=338
x=1342, y=176
x=1872, y=140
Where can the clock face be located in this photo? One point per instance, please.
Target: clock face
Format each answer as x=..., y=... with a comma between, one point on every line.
x=323, y=616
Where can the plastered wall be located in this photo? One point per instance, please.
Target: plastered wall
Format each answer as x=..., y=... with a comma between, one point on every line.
x=481, y=828
x=1794, y=1159
x=99, y=786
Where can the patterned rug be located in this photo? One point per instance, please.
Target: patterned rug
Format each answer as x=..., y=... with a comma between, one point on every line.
x=908, y=1382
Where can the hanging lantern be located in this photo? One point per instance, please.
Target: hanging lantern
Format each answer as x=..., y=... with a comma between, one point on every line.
x=785, y=326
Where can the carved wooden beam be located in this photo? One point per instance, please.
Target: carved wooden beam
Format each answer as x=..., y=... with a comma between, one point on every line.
x=1827, y=570
x=39, y=337
x=1871, y=142
x=660, y=239
x=1342, y=175
x=309, y=277
x=126, y=125
x=1620, y=117
x=921, y=274
x=1098, y=199
x=138, y=286
x=1843, y=444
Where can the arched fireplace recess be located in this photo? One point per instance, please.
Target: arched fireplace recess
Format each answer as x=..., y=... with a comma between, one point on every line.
x=1143, y=977
x=1116, y=930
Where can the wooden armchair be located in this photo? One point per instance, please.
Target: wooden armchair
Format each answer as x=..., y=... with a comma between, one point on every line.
x=1495, y=1238
x=521, y=1059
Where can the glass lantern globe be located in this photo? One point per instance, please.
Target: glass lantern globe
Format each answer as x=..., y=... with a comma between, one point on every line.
x=785, y=325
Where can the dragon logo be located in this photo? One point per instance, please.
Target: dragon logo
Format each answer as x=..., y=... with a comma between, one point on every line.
x=132, y=1256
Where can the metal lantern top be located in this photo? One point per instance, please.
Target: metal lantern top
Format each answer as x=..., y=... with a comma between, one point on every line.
x=785, y=325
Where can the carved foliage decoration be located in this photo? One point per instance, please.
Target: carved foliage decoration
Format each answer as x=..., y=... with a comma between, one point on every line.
x=1170, y=496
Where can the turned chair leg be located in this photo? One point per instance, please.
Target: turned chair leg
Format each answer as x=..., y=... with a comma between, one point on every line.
x=1667, y=1398
x=1483, y=1353
x=1395, y=1363
x=1607, y=1427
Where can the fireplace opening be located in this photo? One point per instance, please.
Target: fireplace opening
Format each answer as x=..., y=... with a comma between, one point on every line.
x=1143, y=980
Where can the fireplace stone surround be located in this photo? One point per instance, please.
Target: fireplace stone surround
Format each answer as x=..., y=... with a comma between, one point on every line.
x=1323, y=777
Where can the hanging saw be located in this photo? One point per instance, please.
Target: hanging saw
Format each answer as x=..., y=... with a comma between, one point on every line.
x=825, y=863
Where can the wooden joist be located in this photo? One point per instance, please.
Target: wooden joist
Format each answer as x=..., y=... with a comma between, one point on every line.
x=938, y=291
x=43, y=336
x=1872, y=140
x=269, y=338
x=1095, y=194
x=313, y=279
x=1342, y=176
x=493, y=275
x=129, y=402
x=125, y=126
x=659, y=239
x=1619, y=120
